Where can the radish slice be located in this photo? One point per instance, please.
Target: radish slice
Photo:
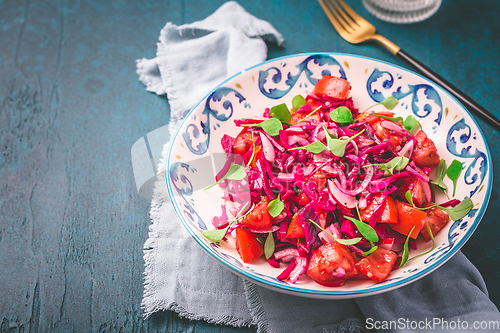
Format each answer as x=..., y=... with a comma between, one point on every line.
x=407, y=149
x=398, y=130
x=344, y=200
x=267, y=148
x=427, y=191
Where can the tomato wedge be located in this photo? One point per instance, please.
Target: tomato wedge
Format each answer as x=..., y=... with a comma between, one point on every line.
x=259, y=218
x=370, y=117
x=425, y=152
x=332, y=86
x=378, y=265
x=247, y=245
x=330, y=263
x=243, y=142
x=437, y=220
x=416, y=190
x=409, y=217
x=295, y=229
x=388, y=212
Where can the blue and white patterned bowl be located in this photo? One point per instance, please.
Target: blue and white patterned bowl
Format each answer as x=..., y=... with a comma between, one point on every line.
x=443, y=118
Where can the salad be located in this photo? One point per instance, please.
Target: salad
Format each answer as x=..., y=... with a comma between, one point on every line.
x=330, y=191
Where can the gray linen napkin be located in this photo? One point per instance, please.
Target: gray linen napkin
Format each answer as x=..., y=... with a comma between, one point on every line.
x=180, y=276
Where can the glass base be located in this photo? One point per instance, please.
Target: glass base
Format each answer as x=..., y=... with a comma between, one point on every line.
x=402, y=11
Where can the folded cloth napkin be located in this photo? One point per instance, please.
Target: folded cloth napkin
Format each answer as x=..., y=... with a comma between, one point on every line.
x=194, y=58
x=180, y=276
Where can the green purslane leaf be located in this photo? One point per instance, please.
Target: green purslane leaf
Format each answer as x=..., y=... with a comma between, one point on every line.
x=364, y=229
x=456, y=213
x=441, y=173
x=271, y=126
x=393, y=119
x=298, y=102
x=337, y=146
x=433, y=243
x=342, y=115
x=235, y=172
x=281, y=112
x=453, y=172
x=397, y=163
x=459, y=211
x=351, y=241
x=275, y=207
x=215, y=235
x=404, y=258
x=371, y=250
x=315, y=147
x=390, y=102
x=410, y=123
x=409, y=198
x=269, y=246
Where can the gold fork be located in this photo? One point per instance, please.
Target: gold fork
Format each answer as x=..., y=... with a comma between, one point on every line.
x=355, y=29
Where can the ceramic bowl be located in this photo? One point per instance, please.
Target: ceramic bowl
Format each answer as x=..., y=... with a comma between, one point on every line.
x=196, y=145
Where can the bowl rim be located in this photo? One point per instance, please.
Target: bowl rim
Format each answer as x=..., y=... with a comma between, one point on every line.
x=329, y=294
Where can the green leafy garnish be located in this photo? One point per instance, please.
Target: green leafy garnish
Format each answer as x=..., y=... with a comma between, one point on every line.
x=393, y=119
x=441, y=173
x=218, y=234
x=404, y=259
x=315, y=147
x=298, y=102
x=281, y=112
x=389, y=102
x=275, y=207
x=351, y=241
x=410, y=123
x=235, y=172
x=433, y=243
x=342, y=115
x=453, y=172
x=461, y=210
x=271, y=126
x=269, y=246
x=337, y=146
x=409, y=198
x=397, y=163
x=456, y=213
x=364, y=229
x=371, y=250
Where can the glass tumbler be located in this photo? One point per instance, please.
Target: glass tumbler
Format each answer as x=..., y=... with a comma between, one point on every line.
x=402, y=11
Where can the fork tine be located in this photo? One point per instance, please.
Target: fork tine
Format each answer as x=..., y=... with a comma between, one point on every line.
x=346, y=17
x=336, y=24
x=356, y=17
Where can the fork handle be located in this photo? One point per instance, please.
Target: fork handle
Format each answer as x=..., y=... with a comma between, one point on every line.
x=463, y=98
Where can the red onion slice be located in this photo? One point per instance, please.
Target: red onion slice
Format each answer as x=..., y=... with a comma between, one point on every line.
x=342, y=199
x=289, y=251
x=398, y=130
x=298, y=270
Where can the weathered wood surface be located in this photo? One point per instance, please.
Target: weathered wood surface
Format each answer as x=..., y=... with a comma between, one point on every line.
x=72, y=226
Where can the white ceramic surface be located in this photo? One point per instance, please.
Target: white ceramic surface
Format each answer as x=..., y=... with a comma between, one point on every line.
x=248, y=93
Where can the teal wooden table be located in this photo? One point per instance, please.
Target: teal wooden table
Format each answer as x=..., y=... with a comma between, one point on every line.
x=72, y=226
